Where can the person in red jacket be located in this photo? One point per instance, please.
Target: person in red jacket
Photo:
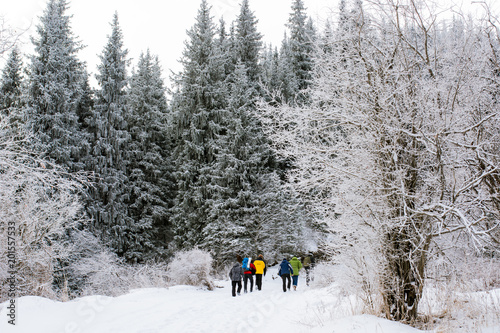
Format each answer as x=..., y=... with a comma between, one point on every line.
x=249, y=270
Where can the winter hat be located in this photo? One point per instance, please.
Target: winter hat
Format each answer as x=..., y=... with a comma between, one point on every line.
x=261, y=256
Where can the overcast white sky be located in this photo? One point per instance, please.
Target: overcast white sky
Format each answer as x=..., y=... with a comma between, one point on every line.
x=158, y=25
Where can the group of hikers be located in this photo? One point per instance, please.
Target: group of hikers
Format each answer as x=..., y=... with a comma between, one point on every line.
x=245, y=268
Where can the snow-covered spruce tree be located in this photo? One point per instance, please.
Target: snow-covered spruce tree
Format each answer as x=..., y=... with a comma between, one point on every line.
x=301, y=41
x=250, y=210
x=387, y=143
x=149, y=183
x=196, y=112
x=294, y=63
x=249, y=42
x=11, y=101
x=244, y=181
x=226, y=44
x=11, y=82
x=270, y=75
x=288, y=83
x=55, y=80
x=109, y=138
x=84, y=112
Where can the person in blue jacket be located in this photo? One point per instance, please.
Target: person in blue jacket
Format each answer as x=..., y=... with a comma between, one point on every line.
x=285, y=271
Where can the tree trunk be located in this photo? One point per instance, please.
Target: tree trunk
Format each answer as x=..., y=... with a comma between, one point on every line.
x=404, y=274
x=401, y=282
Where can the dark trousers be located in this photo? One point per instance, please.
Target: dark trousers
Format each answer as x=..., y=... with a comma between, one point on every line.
x=234, y=284
x=307, y=274
x=285, y=277
x=258, y=281
x=247, y=277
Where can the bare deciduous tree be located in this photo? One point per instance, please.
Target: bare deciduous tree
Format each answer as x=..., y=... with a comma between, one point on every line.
x=400, y=143
x=38, y=205
x=9, y=37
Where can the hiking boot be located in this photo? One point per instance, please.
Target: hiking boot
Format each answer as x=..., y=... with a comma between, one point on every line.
x=295, y=288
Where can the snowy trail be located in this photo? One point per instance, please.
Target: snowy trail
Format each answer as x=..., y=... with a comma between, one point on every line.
x=190, y=309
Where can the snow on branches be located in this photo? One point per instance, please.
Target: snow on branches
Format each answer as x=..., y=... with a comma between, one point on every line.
x=38, y=204
x=400, y=142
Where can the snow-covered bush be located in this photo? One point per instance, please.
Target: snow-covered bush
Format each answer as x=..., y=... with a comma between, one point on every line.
x=191, y=268
x=461, y=284
x=356, y=280
x=110, y=276
x=450, y=306
x=221, y=271
x=323, y=275
x=104, y=273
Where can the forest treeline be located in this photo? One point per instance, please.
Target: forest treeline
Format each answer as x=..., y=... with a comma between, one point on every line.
x=153, y=176
x=164, y=175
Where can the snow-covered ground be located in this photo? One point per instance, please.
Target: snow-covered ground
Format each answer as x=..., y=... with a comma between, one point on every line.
x=190, y=309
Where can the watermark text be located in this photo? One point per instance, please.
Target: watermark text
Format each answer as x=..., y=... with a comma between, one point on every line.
x=12, y=273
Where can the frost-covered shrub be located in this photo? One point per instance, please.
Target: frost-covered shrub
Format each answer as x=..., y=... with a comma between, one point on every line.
x=461, y=285
x=191, y=268
x=323, y=275
x=450, y=306
x=357, y=274
x=474, y=272
x=104, y=273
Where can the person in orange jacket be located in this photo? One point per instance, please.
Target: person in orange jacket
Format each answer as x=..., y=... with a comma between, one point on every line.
x=260, y=269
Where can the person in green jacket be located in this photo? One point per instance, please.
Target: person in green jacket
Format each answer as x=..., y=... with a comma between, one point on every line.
x=296, y=266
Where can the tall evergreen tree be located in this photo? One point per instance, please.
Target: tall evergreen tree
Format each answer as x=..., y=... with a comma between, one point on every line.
x=108, y=128
x=269, y=70
x=85, y=105
x=228, y=189
x=249, y=41
x=325, y=40
x=150, y=184
x=84, y=110
x=196, y=108
x=287, y=77
x=56, y=78
x=227, y=47
x=301, y=46
x=247, y=210
x=11, y=82
x=11, y=102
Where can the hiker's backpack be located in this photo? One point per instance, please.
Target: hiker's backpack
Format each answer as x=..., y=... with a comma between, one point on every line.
x=246, y=264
